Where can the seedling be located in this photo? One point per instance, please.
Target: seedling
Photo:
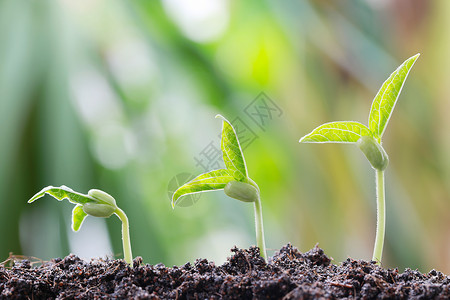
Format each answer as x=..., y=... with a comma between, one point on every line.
x=96, y=203
x=233, y=180
x=368, y=139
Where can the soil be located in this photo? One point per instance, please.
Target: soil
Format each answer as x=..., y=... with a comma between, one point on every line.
x=288, y=275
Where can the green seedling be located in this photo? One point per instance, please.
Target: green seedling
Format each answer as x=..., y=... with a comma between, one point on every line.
x=233, y=180
x=96, y=203
x=368, y=139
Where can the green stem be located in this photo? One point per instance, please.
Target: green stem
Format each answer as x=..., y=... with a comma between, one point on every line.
x=260, y=228
x=125, y=236
x=381, y=217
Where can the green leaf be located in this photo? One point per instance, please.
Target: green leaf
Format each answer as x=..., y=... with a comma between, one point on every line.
x=337, y=132
x=386, y=98
x=61, y=193
x=232, y=152
x=78, y=216
x=210, y=181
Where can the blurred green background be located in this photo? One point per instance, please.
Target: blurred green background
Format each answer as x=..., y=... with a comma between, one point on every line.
x=121, y=96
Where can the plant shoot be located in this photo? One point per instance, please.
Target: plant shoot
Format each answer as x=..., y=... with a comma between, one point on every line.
x=96, y=203
x=368, y=139
x=233, y=180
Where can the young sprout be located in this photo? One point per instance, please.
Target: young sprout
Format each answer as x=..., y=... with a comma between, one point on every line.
x=96, y=203
x=368, y=139
x=233, y=180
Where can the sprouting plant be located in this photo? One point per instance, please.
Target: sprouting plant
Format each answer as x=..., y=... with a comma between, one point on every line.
x=96, y=203
x=368, y=139
x=234, y=180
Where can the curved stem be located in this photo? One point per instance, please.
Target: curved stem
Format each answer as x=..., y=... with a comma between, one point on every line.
x=381, y=217
x=260, y=228
x=125, y=236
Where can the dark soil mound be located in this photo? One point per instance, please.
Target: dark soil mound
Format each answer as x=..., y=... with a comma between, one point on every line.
x=289, y=275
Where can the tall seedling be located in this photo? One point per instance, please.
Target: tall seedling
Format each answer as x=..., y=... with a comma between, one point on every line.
x=368, y=139
x=234, y=180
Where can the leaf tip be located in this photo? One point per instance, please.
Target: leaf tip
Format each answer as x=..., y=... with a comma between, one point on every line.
x=40, y=194
x=414, y=57
x=31, y=200
x=219, y=116
x=306, y=138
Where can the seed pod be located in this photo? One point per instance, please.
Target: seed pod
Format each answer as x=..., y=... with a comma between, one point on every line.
x=102, y=196
x=98, y=210
x=241, y=191
x=374, y=152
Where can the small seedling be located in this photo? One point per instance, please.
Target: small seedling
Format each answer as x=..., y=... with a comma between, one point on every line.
x=233, y=180
x=96, y=203
x=368, y=139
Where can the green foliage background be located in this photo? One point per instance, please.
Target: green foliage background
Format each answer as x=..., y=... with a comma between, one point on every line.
x=121, y=96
